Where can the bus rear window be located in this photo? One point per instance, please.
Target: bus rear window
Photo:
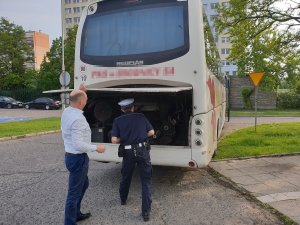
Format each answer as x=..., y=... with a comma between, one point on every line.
x=149, y=33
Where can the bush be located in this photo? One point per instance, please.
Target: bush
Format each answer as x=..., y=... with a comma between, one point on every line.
x=288, y=100
x=246, y=93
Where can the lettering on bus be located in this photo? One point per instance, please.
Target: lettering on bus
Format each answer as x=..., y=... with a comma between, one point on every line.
x=212, y=91
x=133, y=72
x=130, y=63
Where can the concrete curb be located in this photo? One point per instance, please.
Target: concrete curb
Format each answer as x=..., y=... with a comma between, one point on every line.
x=257, y=157
x=28, y=135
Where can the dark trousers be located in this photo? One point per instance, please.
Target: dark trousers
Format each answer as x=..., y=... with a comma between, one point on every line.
x=142, y=160
x=78, y=183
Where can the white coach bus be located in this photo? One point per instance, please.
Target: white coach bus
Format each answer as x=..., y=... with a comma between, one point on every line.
x=157, y=52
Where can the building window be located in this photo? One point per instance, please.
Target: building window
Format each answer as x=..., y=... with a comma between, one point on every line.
x=68, y=10
x=213, y=5
x=225, y=51
x=68, y=29
x=227, y=72
x=75, y=1
x=225, y=4
x=213, y=17
x=216, y=38
x=67, y=1
x=76, y=19
x=82, y=8
x=68, y=20
x=227, y=63
x=234, y=73
x=205, y=6
x=225, y=40
x=76, y=9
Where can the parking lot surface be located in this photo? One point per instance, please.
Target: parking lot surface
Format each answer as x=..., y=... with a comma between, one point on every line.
x=33, y=182
x=14, y=114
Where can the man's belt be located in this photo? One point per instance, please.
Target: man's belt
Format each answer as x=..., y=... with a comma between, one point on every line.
x=68, y=153
x=138, y=145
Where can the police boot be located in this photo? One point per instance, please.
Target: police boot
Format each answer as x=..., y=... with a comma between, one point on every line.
x=146, y=216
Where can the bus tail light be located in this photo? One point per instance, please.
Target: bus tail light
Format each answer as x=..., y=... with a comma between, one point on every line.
x=198, y=132
x=198, y=121
x=192, y=164
x=198, y=142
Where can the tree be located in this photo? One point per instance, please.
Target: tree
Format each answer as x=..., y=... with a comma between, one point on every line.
x=265, y=15
x=14, y=53
x=211, y=51
x=70, y=52
x=257, y=42
x=52, y=67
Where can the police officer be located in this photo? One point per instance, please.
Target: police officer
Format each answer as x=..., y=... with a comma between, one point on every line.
x=131, y=130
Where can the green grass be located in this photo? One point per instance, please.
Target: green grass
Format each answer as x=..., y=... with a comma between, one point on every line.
x=276, y=138
x=28, y=127
x=265, y=112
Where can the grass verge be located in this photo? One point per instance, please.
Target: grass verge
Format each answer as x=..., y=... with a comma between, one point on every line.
x=28, y=127
x=269, y=139
x=265, y=113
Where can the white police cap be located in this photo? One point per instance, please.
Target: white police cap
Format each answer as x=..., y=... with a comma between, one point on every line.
x=126, y=103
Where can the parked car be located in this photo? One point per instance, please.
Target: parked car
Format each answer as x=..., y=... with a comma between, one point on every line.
x=8, y=102
x=43, y=103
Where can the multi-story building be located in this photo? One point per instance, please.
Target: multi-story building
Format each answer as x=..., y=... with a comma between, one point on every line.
x=72, y=12
x=222, y=40
x=40, y=45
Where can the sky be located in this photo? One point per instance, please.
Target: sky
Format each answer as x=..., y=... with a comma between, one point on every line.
x=34, y=15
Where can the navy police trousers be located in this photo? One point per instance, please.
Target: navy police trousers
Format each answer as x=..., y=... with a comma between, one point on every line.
x=141, y=158
x=78, y=166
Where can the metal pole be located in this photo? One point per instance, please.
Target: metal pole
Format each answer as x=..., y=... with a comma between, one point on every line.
x=255, y=107
x=63, y=53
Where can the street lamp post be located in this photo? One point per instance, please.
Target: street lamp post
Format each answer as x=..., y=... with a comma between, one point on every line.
x=64, y=76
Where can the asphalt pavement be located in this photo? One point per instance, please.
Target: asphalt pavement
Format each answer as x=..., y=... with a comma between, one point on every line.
x=33, y=185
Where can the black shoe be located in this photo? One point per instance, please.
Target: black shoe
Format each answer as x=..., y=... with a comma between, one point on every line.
x=123, y=202
x=83, y=216
x=146, y=216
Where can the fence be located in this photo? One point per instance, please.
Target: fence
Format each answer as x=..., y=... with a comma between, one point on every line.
x=23, y=95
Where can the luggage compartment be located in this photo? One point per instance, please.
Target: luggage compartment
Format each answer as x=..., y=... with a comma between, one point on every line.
x=167, y=108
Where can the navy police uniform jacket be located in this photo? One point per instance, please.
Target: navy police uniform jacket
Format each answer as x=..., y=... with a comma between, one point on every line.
x=131, y=128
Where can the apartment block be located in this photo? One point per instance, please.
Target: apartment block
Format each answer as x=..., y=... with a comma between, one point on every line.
x=222, y=40
x=72, y=12
x=40, y=45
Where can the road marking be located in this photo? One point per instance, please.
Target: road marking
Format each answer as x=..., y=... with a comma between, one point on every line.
x=13, y=119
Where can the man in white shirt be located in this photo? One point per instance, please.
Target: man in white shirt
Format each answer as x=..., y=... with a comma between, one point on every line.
x=76, y=134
